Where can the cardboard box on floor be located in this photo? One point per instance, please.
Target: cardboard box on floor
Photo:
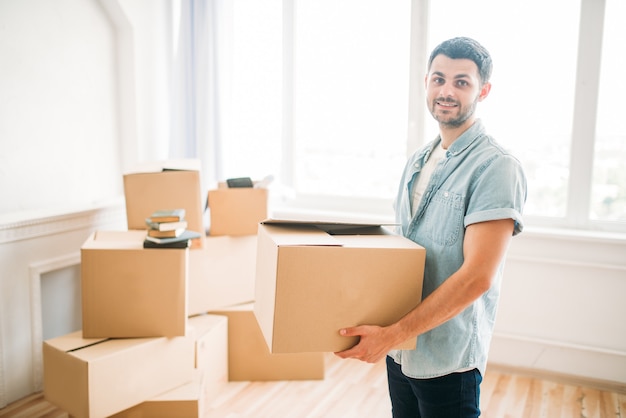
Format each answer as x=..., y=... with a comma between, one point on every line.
x=92, y=378
x=236, y=211
x=210, y=333
x=161, y=185
x=129, y=291
x=186, y=401
x=314, y=279
x=249, y=358
x=222, y=273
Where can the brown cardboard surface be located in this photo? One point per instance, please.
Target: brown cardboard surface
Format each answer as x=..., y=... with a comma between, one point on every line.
x=222, y=273
x=249, y=358
x=129, y=291
x=307, y=291
x=97, y=378
x=186, y=401
x=236, y=211
x=210, y=333
x=165, y=185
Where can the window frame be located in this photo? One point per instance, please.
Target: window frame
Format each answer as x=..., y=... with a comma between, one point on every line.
x=577, y=217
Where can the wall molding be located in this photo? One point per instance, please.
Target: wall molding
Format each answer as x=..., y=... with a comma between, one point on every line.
x=565, y=262
x=572, y=363
x=41, y=225
x=36, y=271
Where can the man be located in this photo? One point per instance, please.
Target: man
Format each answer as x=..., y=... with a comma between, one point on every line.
x=460, y=197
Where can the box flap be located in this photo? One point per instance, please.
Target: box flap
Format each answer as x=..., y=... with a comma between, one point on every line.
x=165, y=165
x=286, y=234
x=325, y=222
x=132, y=239
x=73, y=341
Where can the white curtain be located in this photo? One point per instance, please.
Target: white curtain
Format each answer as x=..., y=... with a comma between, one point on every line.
x=200, y=69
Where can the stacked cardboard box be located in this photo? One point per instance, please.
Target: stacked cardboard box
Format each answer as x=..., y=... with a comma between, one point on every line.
x=137, y=342
x=159, y=185
x=165, y=329
x=229, y=261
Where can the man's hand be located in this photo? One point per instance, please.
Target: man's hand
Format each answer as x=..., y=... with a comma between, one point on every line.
x=374, y=344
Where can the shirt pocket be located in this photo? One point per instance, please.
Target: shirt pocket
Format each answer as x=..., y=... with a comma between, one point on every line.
x=444, y=217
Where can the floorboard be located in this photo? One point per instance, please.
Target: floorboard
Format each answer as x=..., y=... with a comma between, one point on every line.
x=354, y=389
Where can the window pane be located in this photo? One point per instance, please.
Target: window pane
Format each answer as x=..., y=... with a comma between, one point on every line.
x=530, y=108
x=351, y=96
x=608, y=200
x=250, y=82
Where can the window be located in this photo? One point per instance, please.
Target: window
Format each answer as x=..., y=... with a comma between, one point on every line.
x=351, y=72
x=319, y=97
x=608, y=194
x=531, y=104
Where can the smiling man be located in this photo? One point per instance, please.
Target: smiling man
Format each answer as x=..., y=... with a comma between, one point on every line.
x=461, y=197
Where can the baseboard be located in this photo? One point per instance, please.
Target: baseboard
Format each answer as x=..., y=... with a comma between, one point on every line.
x=568, y=363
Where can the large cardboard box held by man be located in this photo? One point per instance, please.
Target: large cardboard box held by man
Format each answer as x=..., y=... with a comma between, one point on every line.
x=165, y=185
x=91, y=378
x=131, y=291
x=314, y=279
x=249, y=358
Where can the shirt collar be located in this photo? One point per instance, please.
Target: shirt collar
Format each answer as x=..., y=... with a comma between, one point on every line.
x=467, y=138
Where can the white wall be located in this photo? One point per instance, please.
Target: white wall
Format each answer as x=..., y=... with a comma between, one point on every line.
x=562, y=305
x=84, y=96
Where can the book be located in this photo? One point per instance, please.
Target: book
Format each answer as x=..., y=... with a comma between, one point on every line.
x=168, y=233
x=168, y=215
x=166, y=226
x=185, y=236
x=178, y=244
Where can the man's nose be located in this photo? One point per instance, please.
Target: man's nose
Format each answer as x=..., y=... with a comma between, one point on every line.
x=446, y=90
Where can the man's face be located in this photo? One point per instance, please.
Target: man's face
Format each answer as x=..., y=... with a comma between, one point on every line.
x=453, y=89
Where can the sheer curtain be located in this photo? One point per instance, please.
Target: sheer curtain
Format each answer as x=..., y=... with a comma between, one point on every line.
x=200, y=70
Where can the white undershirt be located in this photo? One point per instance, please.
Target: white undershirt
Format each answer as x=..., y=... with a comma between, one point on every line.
x=424, y=178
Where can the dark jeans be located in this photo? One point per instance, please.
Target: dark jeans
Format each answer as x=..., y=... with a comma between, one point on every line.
x=452, y=396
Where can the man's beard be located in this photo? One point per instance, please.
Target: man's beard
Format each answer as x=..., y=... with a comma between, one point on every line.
x=454, y=122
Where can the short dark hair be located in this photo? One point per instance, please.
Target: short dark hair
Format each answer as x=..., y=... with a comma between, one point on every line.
x=465, y=48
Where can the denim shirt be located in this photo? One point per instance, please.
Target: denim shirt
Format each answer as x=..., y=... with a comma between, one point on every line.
x=477, y=181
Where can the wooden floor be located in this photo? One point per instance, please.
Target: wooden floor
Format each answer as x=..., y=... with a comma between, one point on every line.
x=353, y=389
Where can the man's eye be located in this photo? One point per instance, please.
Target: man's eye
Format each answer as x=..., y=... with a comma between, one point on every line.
x=462, y=83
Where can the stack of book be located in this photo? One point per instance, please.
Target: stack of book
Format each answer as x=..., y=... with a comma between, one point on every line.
x=167, y=228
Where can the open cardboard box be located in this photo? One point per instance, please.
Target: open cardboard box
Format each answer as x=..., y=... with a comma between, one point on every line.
x=101, y=377
x=237, y=210
x=130, y=291
x=316, y=278
x=162, y=185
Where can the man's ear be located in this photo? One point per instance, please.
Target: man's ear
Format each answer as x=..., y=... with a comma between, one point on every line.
x=484, y=92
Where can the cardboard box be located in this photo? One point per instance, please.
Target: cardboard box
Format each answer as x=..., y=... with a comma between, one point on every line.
x=210, y=335
x=186, y=401
x=100, y=377
x=129, y=291
x=314, y=279
x=249, y=358
x=222, y=273
x=236, y=211
x=160, y=185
